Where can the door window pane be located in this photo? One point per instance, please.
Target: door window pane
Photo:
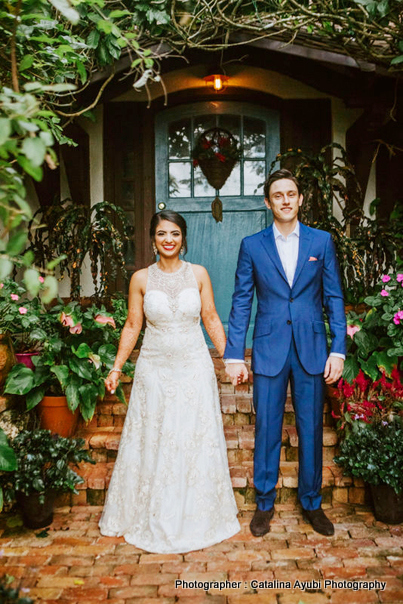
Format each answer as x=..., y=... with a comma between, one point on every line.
x=233, y=184
x=254, y=138
x=179, y=139
x=201, y=186
x=201, y=124
x=254, y=176
x=231, y=123
x=179, y=179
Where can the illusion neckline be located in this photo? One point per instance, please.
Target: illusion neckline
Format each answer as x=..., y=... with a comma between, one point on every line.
x=182, y=266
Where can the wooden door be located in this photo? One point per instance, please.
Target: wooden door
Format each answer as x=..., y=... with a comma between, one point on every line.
x=182, y=187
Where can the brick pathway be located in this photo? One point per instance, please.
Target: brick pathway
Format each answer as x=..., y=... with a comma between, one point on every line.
x=74, y=564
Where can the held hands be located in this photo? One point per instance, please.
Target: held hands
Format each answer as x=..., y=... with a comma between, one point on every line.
x=333, y=369
x=237, y=372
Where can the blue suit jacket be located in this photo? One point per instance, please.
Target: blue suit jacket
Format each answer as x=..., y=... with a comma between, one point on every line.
x=284, y=311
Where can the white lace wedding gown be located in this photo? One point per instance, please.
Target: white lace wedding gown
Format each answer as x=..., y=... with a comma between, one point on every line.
x=170, y=490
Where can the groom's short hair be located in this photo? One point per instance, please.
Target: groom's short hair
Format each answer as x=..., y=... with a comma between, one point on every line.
x=279, y=175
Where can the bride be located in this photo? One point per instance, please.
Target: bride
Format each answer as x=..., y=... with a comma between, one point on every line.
x=170, y=490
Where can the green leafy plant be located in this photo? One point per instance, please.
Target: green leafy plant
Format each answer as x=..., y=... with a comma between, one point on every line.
x=371, y=429
x=20, y=315
x=375, y=337
x=72, y=232
x=8, y=461
x=78, y=351
x=388, y=304
x=11, y=595
x=44, y=462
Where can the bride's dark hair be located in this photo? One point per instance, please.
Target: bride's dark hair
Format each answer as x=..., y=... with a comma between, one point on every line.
x=171, y=216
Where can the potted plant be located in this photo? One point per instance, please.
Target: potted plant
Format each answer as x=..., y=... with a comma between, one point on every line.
x=78, y=352
x=8, y=460
x=20, y=319
x=375, y=337
x=43, y=470
x=371, y=431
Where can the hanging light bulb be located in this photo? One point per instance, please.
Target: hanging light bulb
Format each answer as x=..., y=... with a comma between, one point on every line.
x=217, y=81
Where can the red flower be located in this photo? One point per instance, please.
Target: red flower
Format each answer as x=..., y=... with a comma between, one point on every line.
x=348, y=390
x=221, y=157
x=361, y=382
x=195, y=163
x=206, y=144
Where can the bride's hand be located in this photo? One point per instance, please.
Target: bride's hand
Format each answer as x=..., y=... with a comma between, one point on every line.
x=112, y=382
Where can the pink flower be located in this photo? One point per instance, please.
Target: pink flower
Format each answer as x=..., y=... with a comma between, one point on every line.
x=399, y=277
x=76, y=328
x=14, y=297
x=384, y=293
x=41, y=279
x=352, y=329
x=385, y=278
x=103, y=320
x=66, y=320
x=396, y=319
x=1, y=285
x=22, y=310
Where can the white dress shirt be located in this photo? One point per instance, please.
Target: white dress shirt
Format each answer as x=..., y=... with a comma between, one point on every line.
x=287, y=248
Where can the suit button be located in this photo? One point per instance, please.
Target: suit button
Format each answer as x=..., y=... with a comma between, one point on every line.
x=289, y=322
x=291, y=299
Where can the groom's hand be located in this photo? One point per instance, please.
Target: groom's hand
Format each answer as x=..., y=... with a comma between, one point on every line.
x=333, y=369
x=237, y=372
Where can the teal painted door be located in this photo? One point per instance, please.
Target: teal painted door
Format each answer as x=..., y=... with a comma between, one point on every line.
x=182, y=187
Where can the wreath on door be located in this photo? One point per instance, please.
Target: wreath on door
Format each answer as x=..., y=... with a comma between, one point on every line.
x=216, y=152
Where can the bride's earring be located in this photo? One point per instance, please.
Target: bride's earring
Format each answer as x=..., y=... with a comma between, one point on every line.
x=155, y=249
x=182, y=251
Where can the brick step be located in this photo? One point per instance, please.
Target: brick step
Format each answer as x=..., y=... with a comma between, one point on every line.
x=104, y=442
x=336, y=488
x=237, y=410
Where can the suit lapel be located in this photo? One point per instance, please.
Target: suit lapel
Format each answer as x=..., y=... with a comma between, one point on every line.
x=270, y=246
x=305, y=241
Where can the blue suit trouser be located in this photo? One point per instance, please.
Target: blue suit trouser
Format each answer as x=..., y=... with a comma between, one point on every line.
x=269, y=396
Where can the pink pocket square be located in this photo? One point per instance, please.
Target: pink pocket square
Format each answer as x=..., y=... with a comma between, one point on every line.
x=312, y=258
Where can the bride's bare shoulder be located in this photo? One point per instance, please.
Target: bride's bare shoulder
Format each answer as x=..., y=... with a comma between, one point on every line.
x=199, y=270
x=138, y=280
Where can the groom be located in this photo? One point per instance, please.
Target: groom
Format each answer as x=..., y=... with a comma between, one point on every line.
x=295, y=272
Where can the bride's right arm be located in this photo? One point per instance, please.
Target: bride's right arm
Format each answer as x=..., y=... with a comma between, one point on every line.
x=131, y=329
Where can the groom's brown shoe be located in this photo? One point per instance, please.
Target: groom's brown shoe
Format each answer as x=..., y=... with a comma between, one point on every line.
x=319, y=521
x=260, y=523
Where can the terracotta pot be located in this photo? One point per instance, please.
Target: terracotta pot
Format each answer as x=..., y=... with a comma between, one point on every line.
x=35, y=514
x=388, y=505
x=55, y=415
x=26, y=358
x=7, y=357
